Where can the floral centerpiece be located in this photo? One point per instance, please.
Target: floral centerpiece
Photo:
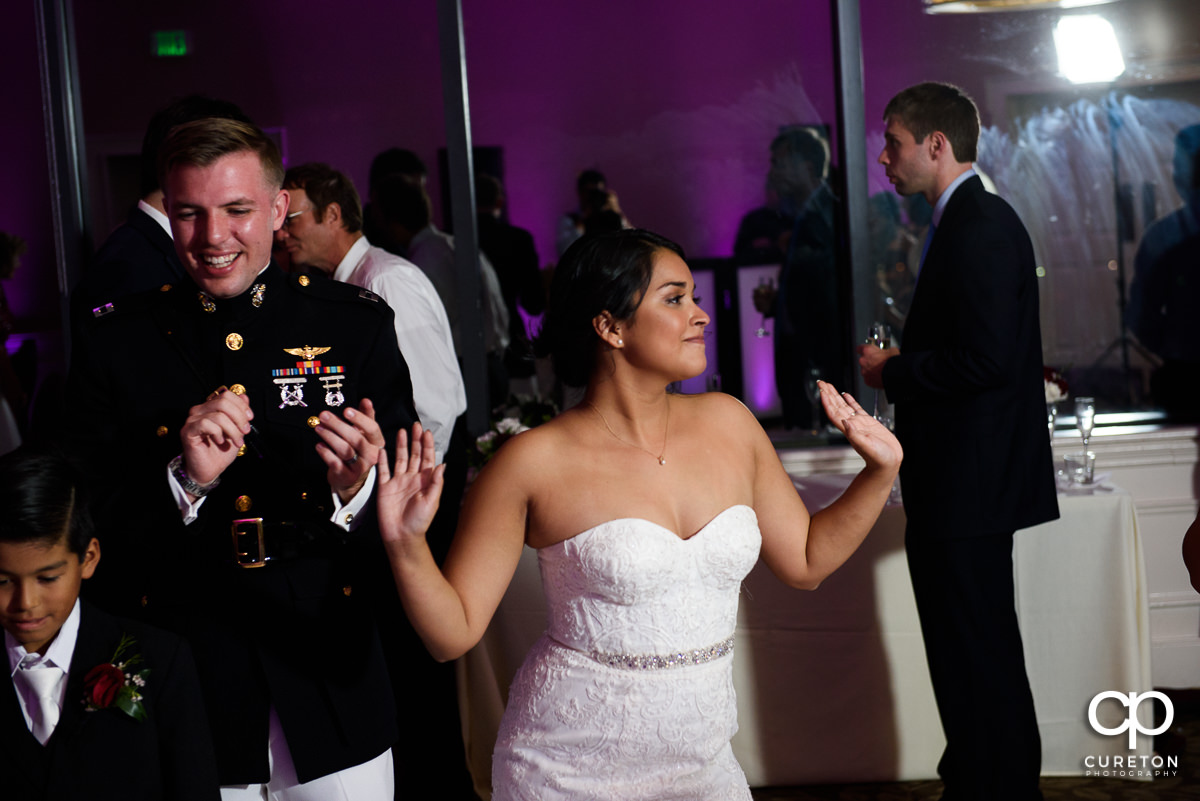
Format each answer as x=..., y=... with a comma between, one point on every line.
x=521, y=413
x=1056, y=390
x=117, y=684
x=1056, y=385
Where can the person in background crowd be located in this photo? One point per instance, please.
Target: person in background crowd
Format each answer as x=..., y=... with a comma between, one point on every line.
x=393, y=162
x=511, y=251
x=591, y=187
x=406, y=218
x=1165, y=291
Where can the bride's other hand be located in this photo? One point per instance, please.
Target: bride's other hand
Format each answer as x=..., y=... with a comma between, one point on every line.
x=409, y=498
x=870, y=438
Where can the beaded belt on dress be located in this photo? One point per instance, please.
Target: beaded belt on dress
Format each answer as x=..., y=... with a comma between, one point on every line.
x=696, y=656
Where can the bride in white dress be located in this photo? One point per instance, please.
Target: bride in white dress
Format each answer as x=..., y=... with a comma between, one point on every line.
x=647, y=510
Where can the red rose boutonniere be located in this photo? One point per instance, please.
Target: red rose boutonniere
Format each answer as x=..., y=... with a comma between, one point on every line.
x=117, y=683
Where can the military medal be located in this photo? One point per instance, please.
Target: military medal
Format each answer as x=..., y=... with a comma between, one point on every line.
x=333, y=390
x=291, y=391
x=291, y=380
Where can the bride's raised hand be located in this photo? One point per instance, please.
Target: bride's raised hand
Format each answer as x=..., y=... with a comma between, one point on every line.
x=408, y=499
x=870, y=438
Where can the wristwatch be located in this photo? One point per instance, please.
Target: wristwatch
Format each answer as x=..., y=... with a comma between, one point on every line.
x=190, y=486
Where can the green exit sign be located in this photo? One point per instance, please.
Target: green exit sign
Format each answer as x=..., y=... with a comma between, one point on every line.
x=170, y=44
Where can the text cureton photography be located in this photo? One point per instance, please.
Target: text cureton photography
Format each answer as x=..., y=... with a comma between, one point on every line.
x=1132, y=765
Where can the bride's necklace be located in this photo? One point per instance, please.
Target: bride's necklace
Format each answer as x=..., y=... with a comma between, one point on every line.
x=661, y=457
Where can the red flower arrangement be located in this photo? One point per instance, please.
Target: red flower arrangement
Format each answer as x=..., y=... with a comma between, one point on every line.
x=1056, y=385
x=116, y=685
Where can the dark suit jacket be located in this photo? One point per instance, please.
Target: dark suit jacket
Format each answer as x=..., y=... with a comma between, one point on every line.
x=136, y=256
x=512, y=253
x=93, y=756
x=296, y=634
x=970, y=402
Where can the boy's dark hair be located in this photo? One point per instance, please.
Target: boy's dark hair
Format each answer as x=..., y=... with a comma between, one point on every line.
x=929, y=107
x=324, y=185
x=43, y=498
x=602, y=272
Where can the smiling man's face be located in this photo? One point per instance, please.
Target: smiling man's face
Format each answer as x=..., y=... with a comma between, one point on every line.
x=223, y=217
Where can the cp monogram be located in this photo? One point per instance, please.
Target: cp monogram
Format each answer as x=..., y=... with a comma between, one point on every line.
x=1130, y=701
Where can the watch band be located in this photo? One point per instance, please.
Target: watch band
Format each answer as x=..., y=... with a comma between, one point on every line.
x=190, y=486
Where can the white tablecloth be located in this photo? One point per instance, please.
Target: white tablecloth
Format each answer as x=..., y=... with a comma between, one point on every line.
x=833, y=686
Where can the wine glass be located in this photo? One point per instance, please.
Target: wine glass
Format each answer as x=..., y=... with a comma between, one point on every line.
x=881, y=337
x=1085, y=418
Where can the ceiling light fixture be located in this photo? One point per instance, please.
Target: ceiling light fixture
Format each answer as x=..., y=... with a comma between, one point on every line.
x=979, y=6
x=1087, y=49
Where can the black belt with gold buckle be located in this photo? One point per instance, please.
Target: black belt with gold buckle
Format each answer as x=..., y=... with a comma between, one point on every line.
x=249, y=543
x=257, y=542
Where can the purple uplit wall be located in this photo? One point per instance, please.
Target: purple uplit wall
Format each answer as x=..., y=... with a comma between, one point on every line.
x=676, y=106
x=24, y=184
x=676, y=102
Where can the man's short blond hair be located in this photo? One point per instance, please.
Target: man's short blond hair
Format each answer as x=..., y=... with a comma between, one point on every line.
x=201, y=143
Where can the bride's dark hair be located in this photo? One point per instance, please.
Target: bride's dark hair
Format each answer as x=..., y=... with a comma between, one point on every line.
x=598, y=273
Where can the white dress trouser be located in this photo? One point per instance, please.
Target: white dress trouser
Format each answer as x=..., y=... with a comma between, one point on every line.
x=373, y=780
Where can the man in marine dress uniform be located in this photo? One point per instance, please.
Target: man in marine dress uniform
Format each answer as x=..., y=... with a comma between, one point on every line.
x=235, y=421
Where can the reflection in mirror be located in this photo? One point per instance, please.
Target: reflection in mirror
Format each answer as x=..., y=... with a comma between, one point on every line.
x=1094, y=169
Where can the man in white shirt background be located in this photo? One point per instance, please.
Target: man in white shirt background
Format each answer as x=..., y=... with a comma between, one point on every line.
x=323, y=233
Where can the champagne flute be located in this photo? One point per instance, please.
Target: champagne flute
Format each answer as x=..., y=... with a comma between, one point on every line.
x=880, y=337
x=1085, y=418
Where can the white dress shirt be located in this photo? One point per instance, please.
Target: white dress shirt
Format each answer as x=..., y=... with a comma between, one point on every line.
x=157, y=216
x=422, y=331
x=59, y=654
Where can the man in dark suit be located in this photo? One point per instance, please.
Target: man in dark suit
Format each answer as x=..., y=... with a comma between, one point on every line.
x=512, y=252
x=73, y=725
x=140, y=254
x=237, y=419
x=805, y=304
x=967, y=386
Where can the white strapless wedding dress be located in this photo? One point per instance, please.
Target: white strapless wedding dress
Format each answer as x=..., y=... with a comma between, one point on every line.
x=629, y=693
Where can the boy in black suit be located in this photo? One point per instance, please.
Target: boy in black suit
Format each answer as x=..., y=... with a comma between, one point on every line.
x=91, y=706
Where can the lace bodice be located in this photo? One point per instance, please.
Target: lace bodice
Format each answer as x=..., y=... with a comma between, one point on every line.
x=630, y=694
x=631, y=586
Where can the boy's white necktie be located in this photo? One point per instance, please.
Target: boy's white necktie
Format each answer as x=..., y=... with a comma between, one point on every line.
x=43, y=680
